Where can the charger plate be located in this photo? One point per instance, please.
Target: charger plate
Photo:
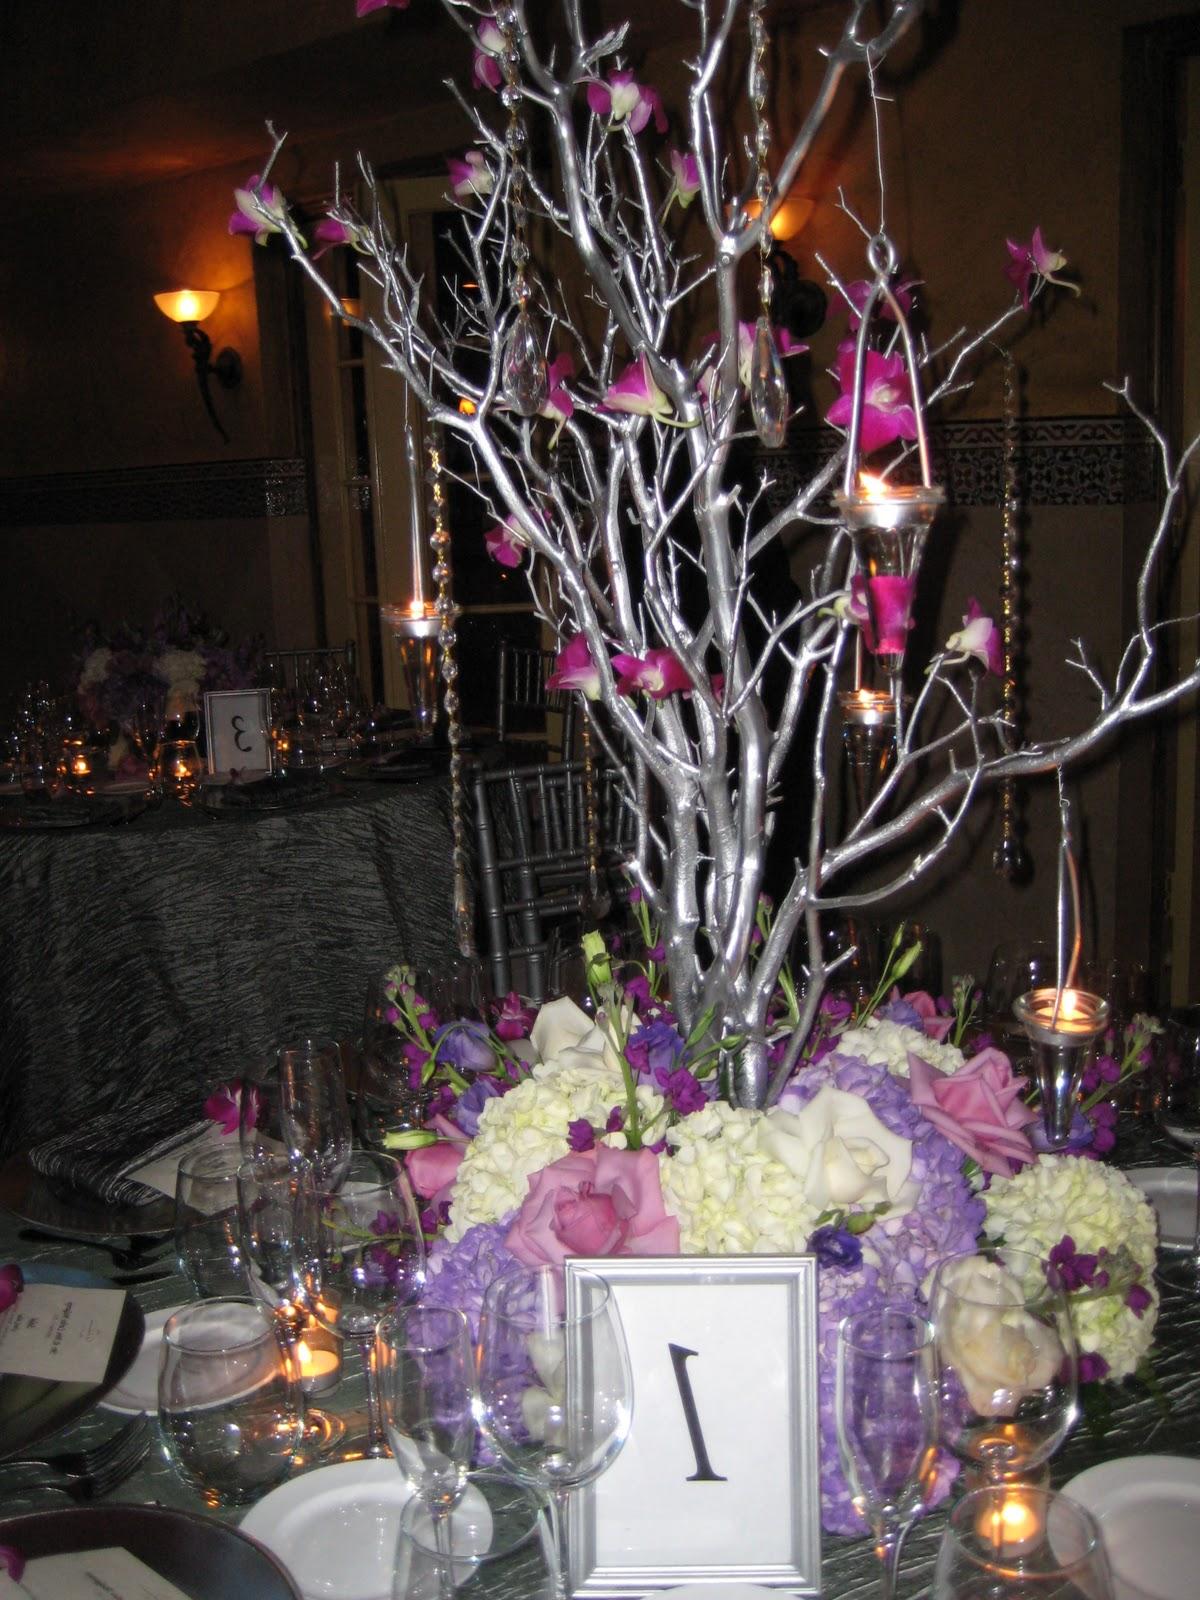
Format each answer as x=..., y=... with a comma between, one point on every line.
x=1148, y=1508
x=203, y=1557
x=33, y=1198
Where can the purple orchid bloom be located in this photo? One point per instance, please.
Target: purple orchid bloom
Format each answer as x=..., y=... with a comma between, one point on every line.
x=248, y=217
x=681, y=1090
x=654, y=1048
x=1033, y=264
x=363, y=8
x=658, y=673
x=506, y=544
x=979, y=637
x=887, y=412
x=465, y=1045
x=636, y=393
x=575, y=669
x=12, y=1562
x=622, y=99
x=581, y=1135
x=836, y=1248
x=12, y=1281
x=558, y=405
x=858, y=292
x=485, y=63
x=470, y=175
x=686, y=185
x=513, y=1018
x=224, y=1106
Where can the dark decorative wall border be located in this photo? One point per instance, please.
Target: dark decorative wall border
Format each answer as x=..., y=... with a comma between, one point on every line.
x=1063, y=461
x=202, y=492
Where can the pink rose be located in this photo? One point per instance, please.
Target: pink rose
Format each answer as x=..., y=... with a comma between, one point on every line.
x=599, y=1202
x=978, y=1108
x=933, y=1024
x=433, y=1169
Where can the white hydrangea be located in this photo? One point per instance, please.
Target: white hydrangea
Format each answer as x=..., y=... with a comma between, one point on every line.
x=183, y=669
x=95, y=668
x=1101, y=1210
x=887, y=1044
x=729, y=1194
x=526, y=1129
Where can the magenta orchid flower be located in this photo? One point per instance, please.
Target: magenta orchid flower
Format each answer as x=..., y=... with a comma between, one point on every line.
x=658, y=673
x=887, y=412
x=506, y=543
x=636, y=393
x=332, y=231
x=978, y=637
x=470, y=175
x=558, y=405
x=252, y=201
x=889, y=602
x=224, y=1106
x=623, y=99
x=12, y=1281
x=1033, y=264
x=575, y=669
x=686, y=186
x=858, y=293
x=513, y=1019
x=852, y=607
x=12, y=1562
x=363, y=8
x=485, y=63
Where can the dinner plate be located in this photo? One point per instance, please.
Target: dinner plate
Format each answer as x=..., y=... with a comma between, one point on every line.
x=1148, y=1508
x=138, y=1389
x=1172, y=1192
x=202, y=1557
x=33, y=1408
x=336, y=1529
x=33, y=1198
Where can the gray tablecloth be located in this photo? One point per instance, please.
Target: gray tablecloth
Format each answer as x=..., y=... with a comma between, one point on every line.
x=137, y=955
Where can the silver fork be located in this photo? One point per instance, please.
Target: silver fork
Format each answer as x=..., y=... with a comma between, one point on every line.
x=118, y=1466
x=96, y=1458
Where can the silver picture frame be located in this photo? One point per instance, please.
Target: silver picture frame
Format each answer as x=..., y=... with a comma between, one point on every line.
x=719, y=1479
x=223, y=736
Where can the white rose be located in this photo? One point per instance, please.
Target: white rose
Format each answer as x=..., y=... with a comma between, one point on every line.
x=565, y=1036
x=999, y=1351
x=841, y=1152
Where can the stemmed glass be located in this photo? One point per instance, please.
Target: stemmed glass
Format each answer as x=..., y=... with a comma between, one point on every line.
x=1177, y=1107
x=886, y=1424
x=425, y=1368
x=555, y=1386
x=296, y=1106
x=363, y=1254
x=1021, y=1543
x=1017, y=965
x=1006, y=1359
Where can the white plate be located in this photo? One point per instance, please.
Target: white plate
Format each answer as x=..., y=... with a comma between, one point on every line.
x=1172, y=1192
x=138, y=1389
x=336, y=1529
x=1148, y=1508
x=722, y=1591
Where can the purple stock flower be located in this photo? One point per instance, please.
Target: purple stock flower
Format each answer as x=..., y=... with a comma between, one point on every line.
x=681, y=1089
x=1093, y=1368
x=1139, y=1299
x=1077, y=1271
x=386, y=1223
x=655, y=1047
x=464, y=1045
x=1104, y=1128
x=836, y=1248
x=616, y=1120
x=637, y=989
x=581, y=1135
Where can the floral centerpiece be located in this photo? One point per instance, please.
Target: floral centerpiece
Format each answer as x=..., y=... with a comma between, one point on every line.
x=901, y=1138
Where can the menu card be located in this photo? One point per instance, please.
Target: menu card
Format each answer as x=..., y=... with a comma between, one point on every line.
x=58, y=1331
x=111, y=1574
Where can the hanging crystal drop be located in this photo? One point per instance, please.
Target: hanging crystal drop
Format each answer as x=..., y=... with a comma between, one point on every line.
x=768, y=387
x=524, y=371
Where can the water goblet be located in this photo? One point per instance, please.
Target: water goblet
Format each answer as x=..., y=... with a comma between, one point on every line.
x=362, y=1254
x=296, y=1106
x=886, y=1423
x=1006, y=1360
x=1177, y=1110
x=230, y=1409
x=555, y=1386
x=1021, y=1543
x=208, y=1240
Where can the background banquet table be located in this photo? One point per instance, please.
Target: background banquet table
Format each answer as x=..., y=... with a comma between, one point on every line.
x=1139, y=1422
x=176, y=946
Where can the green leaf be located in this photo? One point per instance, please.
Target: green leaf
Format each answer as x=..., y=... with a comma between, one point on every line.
x=702, y=1027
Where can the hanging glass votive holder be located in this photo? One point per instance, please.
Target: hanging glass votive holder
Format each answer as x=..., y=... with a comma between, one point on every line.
x=869, y=739
x=889, y=523
x=1062, y=1026
x=416, y=628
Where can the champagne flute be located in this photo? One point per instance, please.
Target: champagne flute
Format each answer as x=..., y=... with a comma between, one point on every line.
x=1177, y=1108
x=555, y=1386
x=1006, y=1360
x=1023, y=1543
x=886, y=1424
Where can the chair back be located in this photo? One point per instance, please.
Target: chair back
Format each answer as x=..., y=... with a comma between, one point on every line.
x=531, y=829
x=521, y=687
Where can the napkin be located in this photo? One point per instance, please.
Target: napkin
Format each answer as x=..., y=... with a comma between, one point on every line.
x=99, y=1157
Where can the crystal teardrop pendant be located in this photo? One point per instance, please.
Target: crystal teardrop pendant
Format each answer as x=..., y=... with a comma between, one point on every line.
x=524, y=371
x=768, y=387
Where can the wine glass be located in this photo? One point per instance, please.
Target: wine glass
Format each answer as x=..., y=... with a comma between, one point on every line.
x=496, y=1533
x=1177, y=1108
x=296, y=1106
x=1021, y=1542
x=886, y=1423
x=1006, y=1359
x=425, y=1367
x=1017, y=965
x=362, y=1254
x=555, y=1386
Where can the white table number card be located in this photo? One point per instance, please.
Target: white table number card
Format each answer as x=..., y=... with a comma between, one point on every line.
x=60, y=1332
x=112, y=1574
x=719, y=1479
x=237, y=726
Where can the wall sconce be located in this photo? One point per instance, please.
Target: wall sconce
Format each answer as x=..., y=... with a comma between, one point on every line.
x=190, y=307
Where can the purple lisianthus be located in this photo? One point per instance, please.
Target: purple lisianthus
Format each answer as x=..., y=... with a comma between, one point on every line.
x=837, y=1248
x=900, y=1011
x=459, y=1274
x=464, y=1045
x=581, y=1135
x=654, y=1047
x=681, y=1090
x=472, y=1101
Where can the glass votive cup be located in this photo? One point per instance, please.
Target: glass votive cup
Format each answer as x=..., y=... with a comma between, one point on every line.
x=230, y=1407
x=1018, y=1540
x=179, y=767
x=208, y=1240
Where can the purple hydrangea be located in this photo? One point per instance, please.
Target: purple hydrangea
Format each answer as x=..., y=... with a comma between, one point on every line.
x=459, y=1274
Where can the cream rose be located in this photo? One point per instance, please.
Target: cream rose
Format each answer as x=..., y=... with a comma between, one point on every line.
x=841, y=1152
x=999, y=1351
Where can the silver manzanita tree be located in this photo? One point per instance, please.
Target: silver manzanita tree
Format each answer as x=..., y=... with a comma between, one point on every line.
x=606, y=442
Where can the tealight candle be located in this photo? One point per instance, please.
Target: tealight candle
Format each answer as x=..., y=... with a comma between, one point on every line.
x=319, y=1359
x=1010, y=1525
x=81, y=766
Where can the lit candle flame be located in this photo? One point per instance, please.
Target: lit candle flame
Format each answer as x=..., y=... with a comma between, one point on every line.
x=873, y=487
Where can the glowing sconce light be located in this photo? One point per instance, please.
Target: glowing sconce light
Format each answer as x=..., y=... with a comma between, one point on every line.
x=190, y=307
